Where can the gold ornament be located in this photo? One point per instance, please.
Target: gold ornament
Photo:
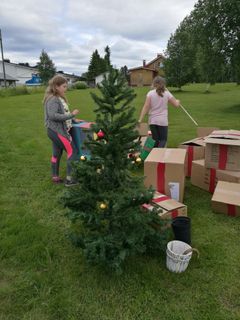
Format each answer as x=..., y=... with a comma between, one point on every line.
x=103, y=206
x=138, y=160
x=99, y=170
x=83, y=158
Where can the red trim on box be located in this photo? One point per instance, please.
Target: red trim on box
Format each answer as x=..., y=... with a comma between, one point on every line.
x=174, y=213
x=223, y=149
x=190, y=159
x=212, y=180
x=231, y=210
x=161, y=177
x=160, y=199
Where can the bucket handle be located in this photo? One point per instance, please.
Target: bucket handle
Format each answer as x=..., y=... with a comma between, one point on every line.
x=192, y=250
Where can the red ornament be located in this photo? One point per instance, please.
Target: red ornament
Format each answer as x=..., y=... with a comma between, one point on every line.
x=100, y=134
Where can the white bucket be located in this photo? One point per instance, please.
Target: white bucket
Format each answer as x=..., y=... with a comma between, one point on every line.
x=179, y=254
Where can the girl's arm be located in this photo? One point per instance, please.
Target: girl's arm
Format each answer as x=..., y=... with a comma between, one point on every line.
x=145, y=109
x=174, y=102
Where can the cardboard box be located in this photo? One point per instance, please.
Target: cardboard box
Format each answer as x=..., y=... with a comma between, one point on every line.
x=142, y=129
x=223, y=150
x=164, y=171
x=207, y=179
x=195, y=150
x=169, y=208
x=226, y=198
x=205, y=131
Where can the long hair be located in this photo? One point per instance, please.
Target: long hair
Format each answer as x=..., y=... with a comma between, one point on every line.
x=160, y=84
x=53, y=83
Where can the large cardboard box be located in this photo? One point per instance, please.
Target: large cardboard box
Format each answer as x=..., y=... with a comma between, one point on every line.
x=143, y=129
x=226, y=198
x=205, y=131
x=168, y=208
x=164, y=171
x=207, y=178
x=223, y=150
x=195, y=150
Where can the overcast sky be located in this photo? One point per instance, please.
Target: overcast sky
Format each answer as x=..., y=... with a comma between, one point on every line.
x=70, y=30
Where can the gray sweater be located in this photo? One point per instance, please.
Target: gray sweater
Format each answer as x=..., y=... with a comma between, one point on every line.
x=55, y=116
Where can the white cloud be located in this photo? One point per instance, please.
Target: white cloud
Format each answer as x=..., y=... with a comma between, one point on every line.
x=70, y=30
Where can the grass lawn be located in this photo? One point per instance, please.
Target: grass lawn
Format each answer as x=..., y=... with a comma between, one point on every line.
x=42, y=276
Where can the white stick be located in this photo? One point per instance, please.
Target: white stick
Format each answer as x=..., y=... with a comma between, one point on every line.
x=189, y=115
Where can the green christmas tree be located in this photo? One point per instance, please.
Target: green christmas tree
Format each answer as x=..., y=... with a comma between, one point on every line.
x=109, y=223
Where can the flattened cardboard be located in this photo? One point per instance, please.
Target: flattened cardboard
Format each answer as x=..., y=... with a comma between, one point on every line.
x=226, y=198
x=205, y=131
x=223, y=150
x=195, y=150
x=207, y=178
x=169, y=208
x=164, y=171
x=142, y=129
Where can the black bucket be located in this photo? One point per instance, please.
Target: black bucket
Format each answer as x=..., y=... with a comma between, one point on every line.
x=182, y=229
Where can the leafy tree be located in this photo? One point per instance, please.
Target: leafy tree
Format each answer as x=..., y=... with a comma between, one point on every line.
x=105, y=208
x=46, y=67
x=209, y=41
x=180, y=53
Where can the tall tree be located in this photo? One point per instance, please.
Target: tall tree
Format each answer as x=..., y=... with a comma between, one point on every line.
x=105, y=208
x=209, y=41
x=180, y=54
x=107, y=57
x=46, y=67
x=96, y=66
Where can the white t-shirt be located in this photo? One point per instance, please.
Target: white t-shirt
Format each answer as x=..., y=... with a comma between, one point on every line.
x=158, y=112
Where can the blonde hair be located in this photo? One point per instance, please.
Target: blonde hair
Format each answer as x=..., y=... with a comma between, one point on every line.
x=53, y=83
x=160, y=84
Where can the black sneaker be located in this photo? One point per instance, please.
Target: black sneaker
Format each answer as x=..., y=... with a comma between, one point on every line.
x=71, y=183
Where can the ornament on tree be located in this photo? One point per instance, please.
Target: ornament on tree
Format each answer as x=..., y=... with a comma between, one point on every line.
x=103, y=206
x=138, y=160
x=100, y=134
x=83, y=158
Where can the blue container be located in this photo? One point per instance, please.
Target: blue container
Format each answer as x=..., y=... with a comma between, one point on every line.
x=80, y=134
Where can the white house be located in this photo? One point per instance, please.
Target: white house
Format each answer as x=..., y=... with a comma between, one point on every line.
x=21, y=74
x=100, y=77
x=16, y=71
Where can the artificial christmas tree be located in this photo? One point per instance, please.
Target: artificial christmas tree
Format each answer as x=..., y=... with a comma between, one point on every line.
x=105, y=207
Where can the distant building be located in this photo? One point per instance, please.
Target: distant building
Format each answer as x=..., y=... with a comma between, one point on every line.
x=19, y=72
x=144, y=75
x=25, y=75
x=100, y=77
x=10, y=81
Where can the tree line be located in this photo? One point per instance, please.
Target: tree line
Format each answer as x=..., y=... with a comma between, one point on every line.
x=206, y=45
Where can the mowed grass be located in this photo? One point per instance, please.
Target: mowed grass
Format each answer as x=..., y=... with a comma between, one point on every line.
x=42, y=276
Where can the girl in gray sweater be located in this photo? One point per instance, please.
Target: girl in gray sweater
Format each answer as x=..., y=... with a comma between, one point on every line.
x=58, y=120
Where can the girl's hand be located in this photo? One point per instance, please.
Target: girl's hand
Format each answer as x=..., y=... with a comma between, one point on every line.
x=75, y=111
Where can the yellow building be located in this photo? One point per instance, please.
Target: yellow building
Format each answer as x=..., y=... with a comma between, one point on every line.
x=143, y=76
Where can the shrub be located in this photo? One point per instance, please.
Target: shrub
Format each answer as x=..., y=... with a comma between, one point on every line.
x=80, y=85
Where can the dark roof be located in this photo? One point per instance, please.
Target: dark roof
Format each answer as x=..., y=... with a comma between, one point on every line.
x=7, y=77
x=158, y=57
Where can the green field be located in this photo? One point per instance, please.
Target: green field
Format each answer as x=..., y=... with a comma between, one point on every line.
x=42, y=276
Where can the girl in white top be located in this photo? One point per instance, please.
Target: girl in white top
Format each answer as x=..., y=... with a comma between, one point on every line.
x=156, y=105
